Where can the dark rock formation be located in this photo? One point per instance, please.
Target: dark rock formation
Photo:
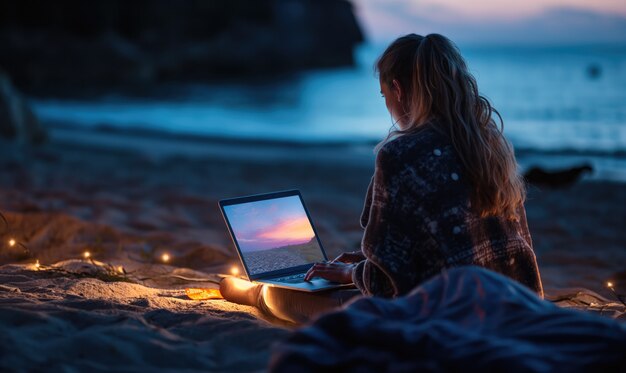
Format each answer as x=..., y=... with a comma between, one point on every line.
x=70, y=44
x=17, y=120
x=558, y=178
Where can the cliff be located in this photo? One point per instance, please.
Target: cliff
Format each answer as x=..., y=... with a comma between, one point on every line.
x=52, y=47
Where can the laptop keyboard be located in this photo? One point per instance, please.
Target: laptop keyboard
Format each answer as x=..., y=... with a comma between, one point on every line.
x=292, y=279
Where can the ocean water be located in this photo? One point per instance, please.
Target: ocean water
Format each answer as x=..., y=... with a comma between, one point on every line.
x=548, y=98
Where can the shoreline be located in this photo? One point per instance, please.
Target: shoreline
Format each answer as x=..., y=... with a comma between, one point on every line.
x=159, y=143
x=163, y=144
x=143, y=132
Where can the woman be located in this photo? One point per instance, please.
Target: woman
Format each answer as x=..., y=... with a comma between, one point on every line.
x=446, y=191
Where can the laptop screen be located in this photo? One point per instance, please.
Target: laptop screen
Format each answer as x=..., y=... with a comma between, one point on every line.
x=273, y=234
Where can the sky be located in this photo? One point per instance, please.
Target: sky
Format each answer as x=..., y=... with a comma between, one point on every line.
x=269, y=224
x=497, y=21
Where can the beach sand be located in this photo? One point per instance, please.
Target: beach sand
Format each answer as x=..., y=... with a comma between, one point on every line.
x=127, y=198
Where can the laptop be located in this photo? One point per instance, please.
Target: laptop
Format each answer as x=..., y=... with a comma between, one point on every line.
x=276, y=240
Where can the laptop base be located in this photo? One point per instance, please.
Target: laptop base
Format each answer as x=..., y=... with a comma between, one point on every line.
x=316, y=284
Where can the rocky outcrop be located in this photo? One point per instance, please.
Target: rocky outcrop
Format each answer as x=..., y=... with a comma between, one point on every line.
x=17, y=120
x=70, y=44
x=561, y=178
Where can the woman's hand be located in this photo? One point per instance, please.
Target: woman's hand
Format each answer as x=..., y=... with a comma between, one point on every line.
x=351, y=257
x=331, y=271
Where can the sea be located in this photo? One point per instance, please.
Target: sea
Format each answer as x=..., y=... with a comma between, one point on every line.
x=561, y=105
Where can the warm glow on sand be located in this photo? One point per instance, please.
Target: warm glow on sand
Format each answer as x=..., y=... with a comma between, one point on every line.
x=293, y=230
x=203, y=294
x=37, y=265
x=165, y=257
x=11, y=242
x=86, y=255
x=234, y=271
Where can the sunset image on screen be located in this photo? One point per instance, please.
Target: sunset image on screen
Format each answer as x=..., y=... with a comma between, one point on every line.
x=273, y=234
x=293, y=231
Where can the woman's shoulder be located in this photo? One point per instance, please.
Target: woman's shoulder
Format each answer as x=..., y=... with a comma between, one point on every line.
x=427, y=142
x=427, y=157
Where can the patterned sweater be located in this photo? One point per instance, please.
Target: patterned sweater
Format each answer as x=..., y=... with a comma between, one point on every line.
x=418, y=221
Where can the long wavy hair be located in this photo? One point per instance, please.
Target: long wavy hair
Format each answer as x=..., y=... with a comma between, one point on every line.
x=438, y=88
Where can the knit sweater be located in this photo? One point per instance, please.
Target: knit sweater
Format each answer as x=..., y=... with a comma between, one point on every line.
x=418, y=221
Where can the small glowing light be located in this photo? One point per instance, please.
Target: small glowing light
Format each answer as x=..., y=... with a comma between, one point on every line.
x=609, y=284
x=37, y=265
x=12, y=242
x=86, y=254
x=165, y=257
x=234, y=270
x=120, y=269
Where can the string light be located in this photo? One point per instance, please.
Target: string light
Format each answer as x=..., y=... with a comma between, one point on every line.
x=37, y=266
x=611, y=285
x=234, y=270
x=12, y=243
x=165, y=257
x=110, y=269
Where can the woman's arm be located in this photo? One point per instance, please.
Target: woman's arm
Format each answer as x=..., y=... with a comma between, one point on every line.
x=393, y=239
x=331, y=271
x=388, y=249
x=371, y=274
x=350, y=257
x=371, y=280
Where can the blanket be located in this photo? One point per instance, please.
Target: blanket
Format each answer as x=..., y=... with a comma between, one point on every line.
x=468, y=318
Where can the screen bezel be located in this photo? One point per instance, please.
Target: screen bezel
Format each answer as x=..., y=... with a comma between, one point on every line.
x=262, y=197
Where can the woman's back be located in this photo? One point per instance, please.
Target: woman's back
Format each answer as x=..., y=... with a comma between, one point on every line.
x=418, y=220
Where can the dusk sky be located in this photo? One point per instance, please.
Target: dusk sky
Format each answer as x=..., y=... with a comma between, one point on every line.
x=269, y=224
x=497, y=21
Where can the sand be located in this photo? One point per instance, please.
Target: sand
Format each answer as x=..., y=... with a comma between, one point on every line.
x=61, y=323
x=129, y=198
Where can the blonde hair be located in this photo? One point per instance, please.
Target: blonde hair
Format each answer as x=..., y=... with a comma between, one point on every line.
x=438, y=88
